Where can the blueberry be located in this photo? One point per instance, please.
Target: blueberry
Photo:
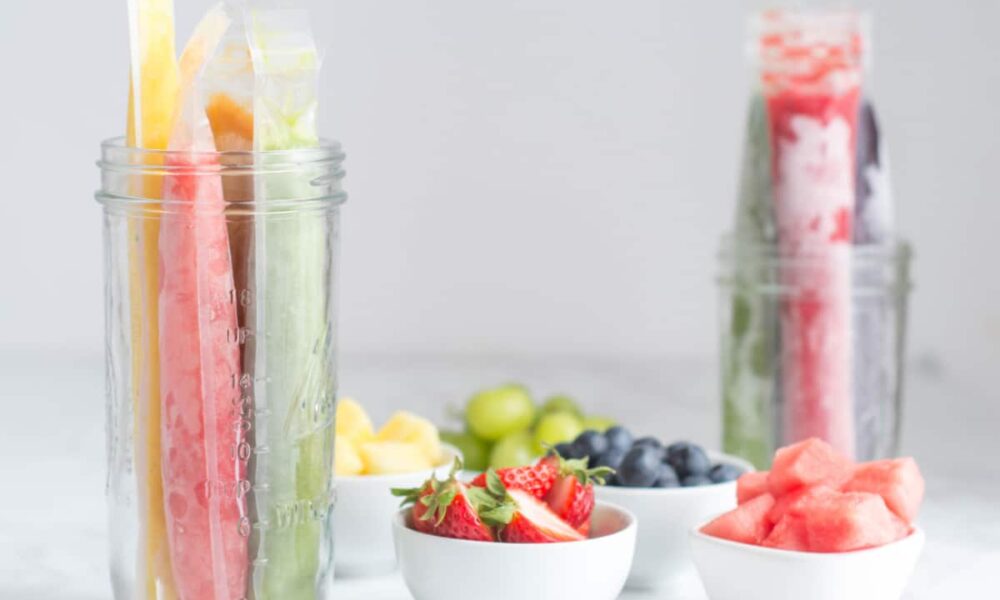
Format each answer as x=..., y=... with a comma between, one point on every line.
x=565, y=450
x=590, y=443
x=640, y=467
x=688, y=459
x=666, y=477
x=648, y=441
x=696, y=480
x=619, y=437
x=612, y=457
x=723, y=472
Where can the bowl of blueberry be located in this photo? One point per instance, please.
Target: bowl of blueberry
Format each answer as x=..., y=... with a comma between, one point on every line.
x=670, y=488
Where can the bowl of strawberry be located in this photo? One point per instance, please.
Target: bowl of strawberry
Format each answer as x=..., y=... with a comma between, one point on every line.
x=669, y=488
x=533, y=531
x=818, y=523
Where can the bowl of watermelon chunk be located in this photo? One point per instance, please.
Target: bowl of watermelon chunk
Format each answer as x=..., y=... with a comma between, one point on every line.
x=534, y=531
x=815, y=526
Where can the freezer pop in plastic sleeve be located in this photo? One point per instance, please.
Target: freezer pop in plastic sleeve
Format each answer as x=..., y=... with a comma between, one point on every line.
x=299, y=391
x=874, y=210
x=204, y=477
x=153, y=87
x=751, y=343
x=874, y=236
x=810, y=68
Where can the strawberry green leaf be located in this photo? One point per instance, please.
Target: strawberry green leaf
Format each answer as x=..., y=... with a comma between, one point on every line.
x=494, y=484
x=500, y=515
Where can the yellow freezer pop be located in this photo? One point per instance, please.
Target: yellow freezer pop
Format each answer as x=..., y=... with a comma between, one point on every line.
x=153, y=90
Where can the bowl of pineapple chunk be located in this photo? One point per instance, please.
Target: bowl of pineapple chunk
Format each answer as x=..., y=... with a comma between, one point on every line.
x=403, y=453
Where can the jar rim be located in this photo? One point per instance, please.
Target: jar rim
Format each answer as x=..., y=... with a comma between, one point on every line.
x=876, y=268
x=124, y=168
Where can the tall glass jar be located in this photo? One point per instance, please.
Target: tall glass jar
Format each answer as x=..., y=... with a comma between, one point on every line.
x=758, y=415
x=220, y=279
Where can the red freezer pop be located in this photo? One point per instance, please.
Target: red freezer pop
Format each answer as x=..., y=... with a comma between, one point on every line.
x=203, y=481
x=811, y=76
x=204, y=418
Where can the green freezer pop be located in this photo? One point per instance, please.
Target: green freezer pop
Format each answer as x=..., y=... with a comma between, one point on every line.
x=750, y=345
x=294, y=475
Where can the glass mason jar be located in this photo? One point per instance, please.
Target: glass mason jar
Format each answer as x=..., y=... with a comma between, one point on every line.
x=781, y=343
x=220, y=272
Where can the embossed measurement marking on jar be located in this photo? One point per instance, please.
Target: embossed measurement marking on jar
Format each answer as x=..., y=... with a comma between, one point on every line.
x=240, y=335
x=243, y=409
x=243, y=297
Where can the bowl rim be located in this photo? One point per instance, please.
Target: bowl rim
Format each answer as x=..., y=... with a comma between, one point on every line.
x=716, y=456
x=450, y=454
x=917, y=536
x=399, y=525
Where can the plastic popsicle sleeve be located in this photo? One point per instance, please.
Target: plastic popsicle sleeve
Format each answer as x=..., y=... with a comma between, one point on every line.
x=874, y=210
x=292, y=254
x=227, y=91
x=751, y=342
x=811, y=76
x=153, y=87
x=874, y=231
x=204, y=486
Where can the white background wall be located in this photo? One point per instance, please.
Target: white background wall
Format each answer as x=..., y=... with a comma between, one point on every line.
x=526, y=176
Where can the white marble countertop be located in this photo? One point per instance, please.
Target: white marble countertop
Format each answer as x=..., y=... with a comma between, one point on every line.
x=53, y=543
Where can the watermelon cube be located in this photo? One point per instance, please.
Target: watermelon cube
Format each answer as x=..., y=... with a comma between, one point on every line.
x=747, y=523
x=846, y=521
x=898, y=481
x=750, y=485
x=807, y=463
x=789, y=534
x=795, y=502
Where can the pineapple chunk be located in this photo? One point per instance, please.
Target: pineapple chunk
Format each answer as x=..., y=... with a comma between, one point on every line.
x=347, y=461
x=408, y=427
x=384, y=458
x=353, y=422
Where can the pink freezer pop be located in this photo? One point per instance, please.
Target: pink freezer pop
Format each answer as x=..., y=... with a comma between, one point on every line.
x=200, y=361
x=204, y=418
x=811, y=76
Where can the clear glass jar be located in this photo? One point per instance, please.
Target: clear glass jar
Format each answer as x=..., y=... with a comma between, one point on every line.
x=220, y=273
x=761, y=409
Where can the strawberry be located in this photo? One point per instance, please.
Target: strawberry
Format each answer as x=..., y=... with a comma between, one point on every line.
x=572, y=494
x=532, y=522
x=536, y=479
x=449, y=508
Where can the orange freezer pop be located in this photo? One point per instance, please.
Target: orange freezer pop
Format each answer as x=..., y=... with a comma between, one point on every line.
x=152, y=97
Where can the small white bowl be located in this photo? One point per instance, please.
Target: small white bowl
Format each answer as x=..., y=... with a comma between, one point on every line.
x=662, y=556
x=439, y=568
x=362, y=518
x=733, y=571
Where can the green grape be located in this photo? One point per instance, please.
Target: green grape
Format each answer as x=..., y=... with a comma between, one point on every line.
x=495, y=413
x=555, y=428
x=475, y=452
x=598, y=423
x=561, y=403
x=513, y=450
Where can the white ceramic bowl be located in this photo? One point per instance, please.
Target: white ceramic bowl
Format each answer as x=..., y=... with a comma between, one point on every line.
x=665, y=515
x=438, y=568
x=733, y=571
x=362, y=518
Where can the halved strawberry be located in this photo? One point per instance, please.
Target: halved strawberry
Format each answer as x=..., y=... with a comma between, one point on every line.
x=536, y=479
x=533, y=522
x=572, y=494
x=449, y=508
